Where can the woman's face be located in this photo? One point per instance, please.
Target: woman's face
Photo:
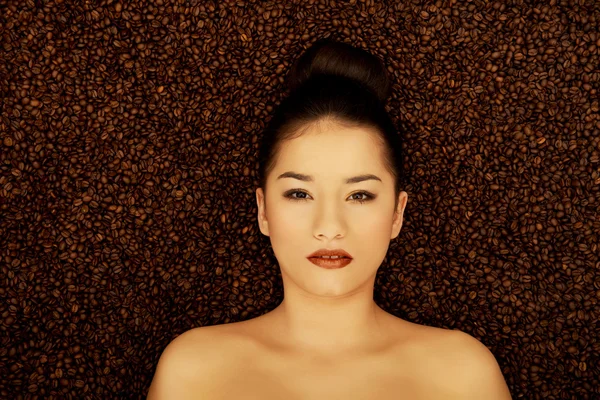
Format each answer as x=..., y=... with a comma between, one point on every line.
x=326, y=212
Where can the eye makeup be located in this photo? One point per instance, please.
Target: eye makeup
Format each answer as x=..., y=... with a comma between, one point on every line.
x=367, y=196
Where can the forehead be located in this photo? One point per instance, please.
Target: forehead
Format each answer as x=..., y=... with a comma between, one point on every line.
x=330, y=144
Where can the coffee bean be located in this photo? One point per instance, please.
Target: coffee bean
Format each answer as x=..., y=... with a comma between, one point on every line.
x=128, y=140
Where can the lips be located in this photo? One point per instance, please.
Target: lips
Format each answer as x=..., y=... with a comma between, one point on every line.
x=329, y=253
x=330, y=263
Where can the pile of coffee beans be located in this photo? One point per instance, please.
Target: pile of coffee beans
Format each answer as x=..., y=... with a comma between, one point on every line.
x=128, y=140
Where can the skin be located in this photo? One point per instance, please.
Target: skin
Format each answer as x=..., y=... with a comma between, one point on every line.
x=330, y=311
x=328, y=317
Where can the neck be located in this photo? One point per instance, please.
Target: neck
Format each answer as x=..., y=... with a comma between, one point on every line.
x=330, y=325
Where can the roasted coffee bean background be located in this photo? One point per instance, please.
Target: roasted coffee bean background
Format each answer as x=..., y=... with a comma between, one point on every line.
x=128, y=165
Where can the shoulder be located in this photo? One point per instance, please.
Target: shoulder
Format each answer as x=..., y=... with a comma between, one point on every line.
x=187, y=363
x=470, y=368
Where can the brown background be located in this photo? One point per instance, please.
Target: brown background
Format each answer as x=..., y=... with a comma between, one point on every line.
x=128, y=144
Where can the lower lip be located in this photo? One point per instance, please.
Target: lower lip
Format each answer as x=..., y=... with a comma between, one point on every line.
x=330, y=264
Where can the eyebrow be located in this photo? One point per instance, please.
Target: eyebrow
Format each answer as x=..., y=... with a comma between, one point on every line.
x=308, y=178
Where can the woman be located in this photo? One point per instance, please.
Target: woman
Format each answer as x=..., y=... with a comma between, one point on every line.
x=330, y=172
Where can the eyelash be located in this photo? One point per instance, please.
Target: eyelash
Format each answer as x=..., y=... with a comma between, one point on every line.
x=288, y=195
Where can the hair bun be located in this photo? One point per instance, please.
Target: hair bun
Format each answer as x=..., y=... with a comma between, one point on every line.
x=328, y=57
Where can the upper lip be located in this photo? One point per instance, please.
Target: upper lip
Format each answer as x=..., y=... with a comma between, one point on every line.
x=327, y=252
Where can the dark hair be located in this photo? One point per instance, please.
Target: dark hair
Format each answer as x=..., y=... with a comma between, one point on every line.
x=337, y=81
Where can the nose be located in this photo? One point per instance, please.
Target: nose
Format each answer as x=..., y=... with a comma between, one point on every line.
x=329, y=221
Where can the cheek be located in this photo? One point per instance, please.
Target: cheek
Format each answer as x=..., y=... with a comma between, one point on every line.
x=286, y=227
x=369, y=231
x=374, y=236
x=286, y=219
x=372, y=224
x=375, y=226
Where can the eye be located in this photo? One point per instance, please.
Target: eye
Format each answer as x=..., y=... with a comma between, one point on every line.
x=290, y=195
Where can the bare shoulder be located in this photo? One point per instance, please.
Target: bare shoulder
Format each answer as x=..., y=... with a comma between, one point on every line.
x=187, y=365
x=466, y=366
